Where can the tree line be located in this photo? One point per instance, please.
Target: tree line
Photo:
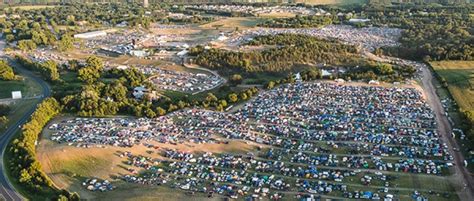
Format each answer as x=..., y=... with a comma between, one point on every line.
x=109, y=92
x=4, y=112
x=6, y=71
x=48, y=69
x=300, y=21
x=430, y=33
x=23, y=164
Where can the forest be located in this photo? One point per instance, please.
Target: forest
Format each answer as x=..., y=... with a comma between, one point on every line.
x=311, y=21
x=305, y=49
x=430, y=33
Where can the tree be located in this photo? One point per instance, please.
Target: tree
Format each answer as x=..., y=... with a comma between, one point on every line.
x=243, y=96
x=233, y=97
x=236, y=79
x=181, y=104
x=172, y=108
x=384, y=69
x=66, y=43
x=150, y=113
x=4, y=110
x=160, y=111
x=51, y=69
x=73, y=64
x=6, y=71
x=26, y=45
x=92, y=71
x=270, y=85
x=223, y=103
x=25, y=177
x=211, y=97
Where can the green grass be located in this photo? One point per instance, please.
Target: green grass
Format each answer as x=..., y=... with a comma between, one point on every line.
x=26, y=86
x=71, y=84
x=80, y=167
x=19, y=107
x=460, y=78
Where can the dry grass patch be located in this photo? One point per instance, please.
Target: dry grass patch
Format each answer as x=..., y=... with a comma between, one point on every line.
x=233, y=22
x=459, y=76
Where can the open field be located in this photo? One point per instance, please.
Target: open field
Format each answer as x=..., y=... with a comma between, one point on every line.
x=234, y=22
x=26, y=86
x=33, y=7
x=459, y=76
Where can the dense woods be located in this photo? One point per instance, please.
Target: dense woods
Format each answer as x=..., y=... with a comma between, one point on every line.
x=53, y=26
x=24, y=165
x=285, y=51
x=300, y=22
x=294, y=49
x=430, y=33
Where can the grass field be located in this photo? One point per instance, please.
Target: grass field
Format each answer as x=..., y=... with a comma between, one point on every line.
x=33, y=7
x=460, y=78
x=26, y=86
x=232, y=23
x=19, y=107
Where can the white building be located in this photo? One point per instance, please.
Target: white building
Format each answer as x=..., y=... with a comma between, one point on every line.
x=92, y=34
x=355, y=20
x=16, y=95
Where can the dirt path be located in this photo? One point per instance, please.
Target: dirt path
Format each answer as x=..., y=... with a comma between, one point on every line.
x=461, y=177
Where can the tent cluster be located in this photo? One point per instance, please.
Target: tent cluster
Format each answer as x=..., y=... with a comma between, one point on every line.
x=313, y=137
x=367, y=37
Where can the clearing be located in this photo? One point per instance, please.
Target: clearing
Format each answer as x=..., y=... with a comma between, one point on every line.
x=459, y=76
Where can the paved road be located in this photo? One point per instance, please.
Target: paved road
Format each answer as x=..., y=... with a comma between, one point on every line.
x=6, y=189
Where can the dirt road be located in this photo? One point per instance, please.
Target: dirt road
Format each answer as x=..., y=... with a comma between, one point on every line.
x=461, y=179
